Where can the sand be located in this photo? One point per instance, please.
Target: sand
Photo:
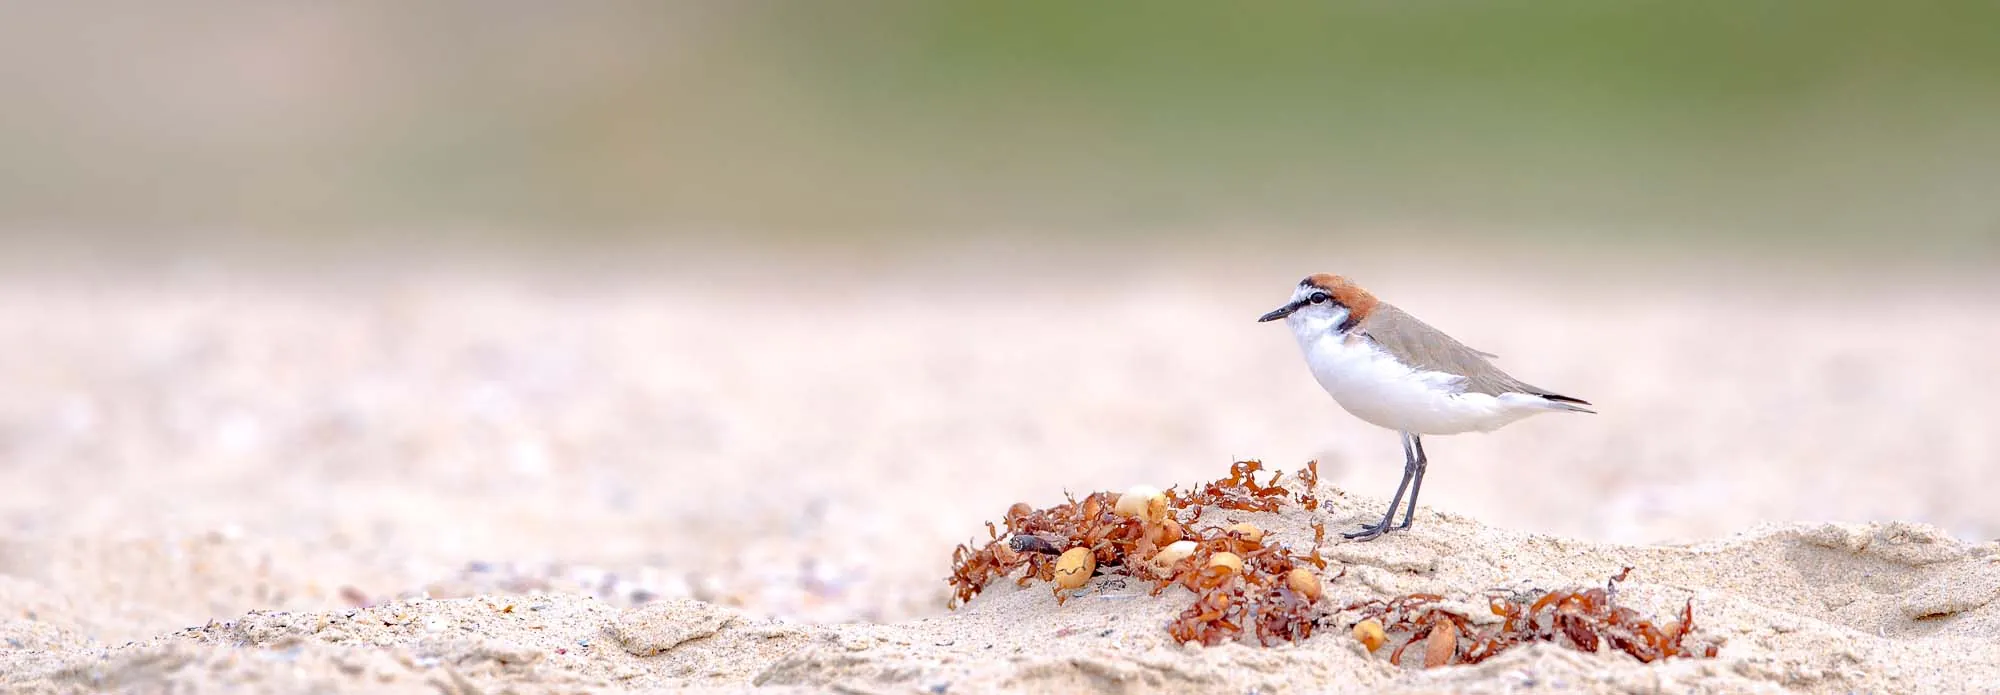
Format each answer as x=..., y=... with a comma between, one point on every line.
x=485, y=480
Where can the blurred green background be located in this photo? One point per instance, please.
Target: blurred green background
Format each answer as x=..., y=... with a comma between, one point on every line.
x=1811, y=124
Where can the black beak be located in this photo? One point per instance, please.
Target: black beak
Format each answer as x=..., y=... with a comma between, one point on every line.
x=1281, y=312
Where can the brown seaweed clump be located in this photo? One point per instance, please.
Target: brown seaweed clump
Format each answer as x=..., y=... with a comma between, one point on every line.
x=1248, y=590
x=1243, y=587
x=1580, y=620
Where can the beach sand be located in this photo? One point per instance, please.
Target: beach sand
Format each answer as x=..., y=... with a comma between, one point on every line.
x=723, y=480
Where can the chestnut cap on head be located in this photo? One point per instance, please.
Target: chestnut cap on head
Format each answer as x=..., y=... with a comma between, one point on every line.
x=1321, y=288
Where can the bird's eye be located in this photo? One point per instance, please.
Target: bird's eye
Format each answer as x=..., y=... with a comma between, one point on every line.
x=1318, y=298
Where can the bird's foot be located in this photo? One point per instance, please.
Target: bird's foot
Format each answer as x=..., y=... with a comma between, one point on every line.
x=1369, y=532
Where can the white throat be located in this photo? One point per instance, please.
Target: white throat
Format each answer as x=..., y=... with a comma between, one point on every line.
x=1310, y=324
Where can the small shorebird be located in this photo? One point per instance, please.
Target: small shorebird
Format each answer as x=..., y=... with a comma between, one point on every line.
x=1391, y=370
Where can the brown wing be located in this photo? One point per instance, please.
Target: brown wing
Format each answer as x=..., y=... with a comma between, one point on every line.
x=1418, y=344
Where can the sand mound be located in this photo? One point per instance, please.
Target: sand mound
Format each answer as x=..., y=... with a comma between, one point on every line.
x=1887, y=607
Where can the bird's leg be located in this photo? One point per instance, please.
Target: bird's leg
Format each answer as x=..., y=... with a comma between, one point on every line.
x=1371, y=532
x=1417, y=485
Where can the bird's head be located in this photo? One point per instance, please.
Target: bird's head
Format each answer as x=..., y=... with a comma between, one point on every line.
x=1325, y=300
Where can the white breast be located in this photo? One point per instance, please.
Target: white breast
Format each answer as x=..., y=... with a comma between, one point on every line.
x=1382, y=391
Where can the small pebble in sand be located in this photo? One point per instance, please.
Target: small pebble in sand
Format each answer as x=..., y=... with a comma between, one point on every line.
x=1442, y=647
x=1229, y=560
x=1075, y=567
x=1369, y=633
x=1174, y=552
x=1143, y=502
x=1304, y=582
x=1247, y=531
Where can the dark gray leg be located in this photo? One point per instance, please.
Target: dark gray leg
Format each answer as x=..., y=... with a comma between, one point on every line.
x=1416, y=486
x=1371, y=532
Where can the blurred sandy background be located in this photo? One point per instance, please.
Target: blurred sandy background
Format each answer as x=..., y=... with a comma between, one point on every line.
x=772, y=304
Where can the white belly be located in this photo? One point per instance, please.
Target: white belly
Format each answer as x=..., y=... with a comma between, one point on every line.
x=1373, y=386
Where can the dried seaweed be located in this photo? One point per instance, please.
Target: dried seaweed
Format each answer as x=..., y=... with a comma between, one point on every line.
x=1578, y=619
x=1035, y=536
x=1240, y=491
x=1256, y=603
